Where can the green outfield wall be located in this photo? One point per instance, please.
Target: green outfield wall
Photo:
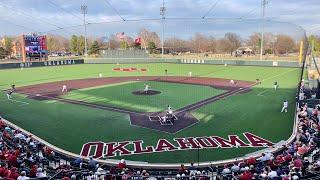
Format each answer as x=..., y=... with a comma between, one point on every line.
x=193, y=61
x=40, y=63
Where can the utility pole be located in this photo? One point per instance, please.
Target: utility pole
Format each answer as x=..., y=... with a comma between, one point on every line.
x=263, y=7
x=84, y=11
x=162, y=13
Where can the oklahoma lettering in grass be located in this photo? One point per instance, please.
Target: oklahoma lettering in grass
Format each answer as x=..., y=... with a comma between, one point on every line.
x=123, y=148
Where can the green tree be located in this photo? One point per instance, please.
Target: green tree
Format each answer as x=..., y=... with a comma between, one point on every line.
x=152, y=46
x=80, y=44
x=124, y=45
x=94, y=48
x=3, y=53
x=8, y=45
x=74, y=44
x=315, y=43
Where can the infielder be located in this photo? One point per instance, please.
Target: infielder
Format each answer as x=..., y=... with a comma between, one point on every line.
x=146, y=88
x=10, y=91
x=64, y=89
x=285, y=106
x=190, y=74
x=232, y=82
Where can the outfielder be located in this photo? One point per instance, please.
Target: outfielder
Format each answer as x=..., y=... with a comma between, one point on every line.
x=275, y=85
x=285, y=106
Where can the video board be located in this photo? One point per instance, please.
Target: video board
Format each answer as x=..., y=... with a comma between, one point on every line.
x=35, y=44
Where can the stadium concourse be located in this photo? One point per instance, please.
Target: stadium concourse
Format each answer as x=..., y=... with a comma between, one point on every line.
x=23, y=157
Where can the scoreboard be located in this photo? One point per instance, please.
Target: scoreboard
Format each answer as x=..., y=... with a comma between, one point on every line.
x=34, y=47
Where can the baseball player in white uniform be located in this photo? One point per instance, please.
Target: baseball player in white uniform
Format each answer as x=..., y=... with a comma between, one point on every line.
x=146, y=88
x=275, y=85
x=64, y=89
x=285, y=106
x=190, y=74
x=232, y=82
x=10, y=91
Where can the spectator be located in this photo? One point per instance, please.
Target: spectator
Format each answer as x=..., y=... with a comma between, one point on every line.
x=122, y=165
x=92, y=164
x=40, y=173
x=182, y=169
x=23, y=176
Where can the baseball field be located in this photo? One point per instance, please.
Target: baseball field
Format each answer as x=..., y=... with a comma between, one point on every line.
x=103, y=108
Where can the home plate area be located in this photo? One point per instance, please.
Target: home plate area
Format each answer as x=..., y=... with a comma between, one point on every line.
x=164, y=120
x=157, y=121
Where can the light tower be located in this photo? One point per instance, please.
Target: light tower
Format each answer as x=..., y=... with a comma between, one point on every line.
x=162, y=13
x=263, y=5
x=84, y=11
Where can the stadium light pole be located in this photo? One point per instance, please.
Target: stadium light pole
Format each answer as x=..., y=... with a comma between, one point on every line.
x=84, y=10
x=263, y=4
x=162, y=13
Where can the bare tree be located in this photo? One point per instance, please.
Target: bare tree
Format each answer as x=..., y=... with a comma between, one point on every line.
x=147, y=37
x=229, y=43
x=284, y=44
x=254, y=42
x=57, y=43
x=113, y=42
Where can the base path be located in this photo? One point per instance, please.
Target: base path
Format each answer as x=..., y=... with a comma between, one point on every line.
x=52, y=91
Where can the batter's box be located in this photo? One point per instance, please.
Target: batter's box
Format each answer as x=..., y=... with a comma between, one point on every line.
x=154, y=118
x=165, y=123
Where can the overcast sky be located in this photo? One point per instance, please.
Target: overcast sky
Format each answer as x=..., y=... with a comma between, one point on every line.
x=24, y=16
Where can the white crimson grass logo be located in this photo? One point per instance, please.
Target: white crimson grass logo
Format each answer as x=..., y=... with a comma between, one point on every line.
x=125, y=148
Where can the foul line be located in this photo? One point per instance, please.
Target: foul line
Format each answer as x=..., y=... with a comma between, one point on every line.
x=262, y=92
x=22, y=102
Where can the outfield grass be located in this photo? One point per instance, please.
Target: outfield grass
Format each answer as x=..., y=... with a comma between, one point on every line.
x=69, y=126
x=173, y=94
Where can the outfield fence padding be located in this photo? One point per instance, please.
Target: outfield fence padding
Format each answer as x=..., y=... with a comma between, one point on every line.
x=40, y=63
x=194, y=61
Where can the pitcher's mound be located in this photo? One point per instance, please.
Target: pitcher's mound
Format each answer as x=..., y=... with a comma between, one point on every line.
x=148, y=93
